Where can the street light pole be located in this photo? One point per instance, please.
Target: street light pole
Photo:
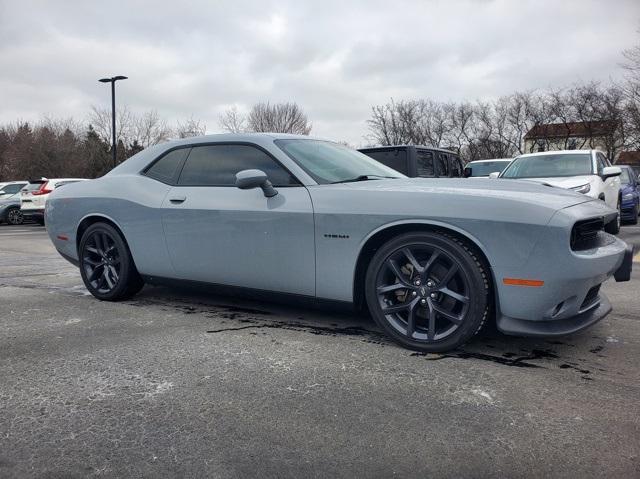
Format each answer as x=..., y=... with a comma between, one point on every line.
x=113, y=81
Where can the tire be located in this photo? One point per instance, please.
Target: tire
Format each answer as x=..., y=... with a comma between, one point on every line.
x=106, y=265
x=613, y=227
x=433, y=298
x=14, y=217
x=635, y=214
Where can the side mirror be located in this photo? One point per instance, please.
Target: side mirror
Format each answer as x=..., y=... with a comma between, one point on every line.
x=467, y=171
x=610, y=172
x=494, y=175
x=248, y=179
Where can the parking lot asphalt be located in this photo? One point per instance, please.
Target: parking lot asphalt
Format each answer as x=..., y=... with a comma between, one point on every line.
x=180, y=383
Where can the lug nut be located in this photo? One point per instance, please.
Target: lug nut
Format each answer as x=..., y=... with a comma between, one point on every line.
x=433, y=295
x=430, y=284
x=414, y=294
x=423, y=301
x=417, y=282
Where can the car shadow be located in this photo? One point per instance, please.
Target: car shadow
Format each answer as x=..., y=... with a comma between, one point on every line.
x=577, y=353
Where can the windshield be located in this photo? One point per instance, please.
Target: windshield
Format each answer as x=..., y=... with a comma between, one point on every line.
x=487, y=167
x=328, y=162
x=625, y=179
x=549, y=166
x=33, y=186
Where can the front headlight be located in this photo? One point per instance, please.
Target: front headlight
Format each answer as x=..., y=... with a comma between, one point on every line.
x=628, y=196
x=582, y=189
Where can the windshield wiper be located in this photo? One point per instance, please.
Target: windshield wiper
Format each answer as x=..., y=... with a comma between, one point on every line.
x=363, y=178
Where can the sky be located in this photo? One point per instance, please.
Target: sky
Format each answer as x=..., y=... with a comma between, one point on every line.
x=336, y=59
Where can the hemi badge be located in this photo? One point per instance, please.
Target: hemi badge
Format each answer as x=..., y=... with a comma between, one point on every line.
x=63, y=237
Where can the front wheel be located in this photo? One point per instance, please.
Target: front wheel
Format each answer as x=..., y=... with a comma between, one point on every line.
x=634, y=215
x=106, y=265
x=614, y=226
x=428, y=291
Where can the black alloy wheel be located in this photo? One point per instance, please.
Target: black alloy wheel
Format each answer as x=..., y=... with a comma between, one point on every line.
x=106, y=264
x=428, y=291
x=15, y=217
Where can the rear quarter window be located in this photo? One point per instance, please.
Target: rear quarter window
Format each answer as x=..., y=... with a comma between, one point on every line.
x=394, y=158
x=166, y=168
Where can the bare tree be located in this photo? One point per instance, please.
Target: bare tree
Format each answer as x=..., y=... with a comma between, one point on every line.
x=233, y=121
x=190, y=128
x=267, y=117
x=146, y=130
x=278, y=118
x=100, y=119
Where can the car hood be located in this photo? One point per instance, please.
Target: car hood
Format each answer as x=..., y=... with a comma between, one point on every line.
x=562, y=182
x=509, y=190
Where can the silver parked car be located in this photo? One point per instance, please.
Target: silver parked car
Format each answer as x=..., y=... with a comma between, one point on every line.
x=431, y=259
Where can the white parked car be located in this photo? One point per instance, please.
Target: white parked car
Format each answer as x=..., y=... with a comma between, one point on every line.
x=583, y=171
x=34, y=196
x=483, y=168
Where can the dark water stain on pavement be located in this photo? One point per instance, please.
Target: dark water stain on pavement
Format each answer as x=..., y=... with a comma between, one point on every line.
x=366, y=335
x=519, y=362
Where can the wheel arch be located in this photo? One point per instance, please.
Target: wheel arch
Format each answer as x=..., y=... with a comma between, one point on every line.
x=93, y=219
x=378, y=237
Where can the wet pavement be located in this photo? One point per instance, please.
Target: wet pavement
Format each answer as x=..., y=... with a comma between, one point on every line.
x=179, y=382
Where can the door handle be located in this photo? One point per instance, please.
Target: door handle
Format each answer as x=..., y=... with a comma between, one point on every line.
x=178, y=199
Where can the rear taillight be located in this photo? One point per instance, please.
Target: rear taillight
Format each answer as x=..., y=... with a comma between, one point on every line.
x=43, y=190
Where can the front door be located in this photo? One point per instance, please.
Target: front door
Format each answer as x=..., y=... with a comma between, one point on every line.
x=220, y=234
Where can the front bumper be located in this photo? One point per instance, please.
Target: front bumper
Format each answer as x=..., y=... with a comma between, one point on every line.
x=560, y=327
x=569, y=298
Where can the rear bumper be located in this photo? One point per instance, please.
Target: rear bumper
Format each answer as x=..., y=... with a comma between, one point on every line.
x=33, y=214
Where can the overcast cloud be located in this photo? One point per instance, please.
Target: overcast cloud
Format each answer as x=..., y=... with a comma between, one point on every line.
x=334, y=58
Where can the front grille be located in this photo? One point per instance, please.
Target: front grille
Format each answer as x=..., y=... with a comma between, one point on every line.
x=586, y=234
x=591, y=298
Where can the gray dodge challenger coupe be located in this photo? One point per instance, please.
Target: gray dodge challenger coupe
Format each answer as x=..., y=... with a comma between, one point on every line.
x=432, y=259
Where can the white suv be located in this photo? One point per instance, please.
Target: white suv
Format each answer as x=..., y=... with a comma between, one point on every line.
x=584, y=171
x=34, y=196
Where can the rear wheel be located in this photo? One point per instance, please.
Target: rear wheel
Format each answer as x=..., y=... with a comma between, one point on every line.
x=14, y=216
x=106, y=264
x=428, y=291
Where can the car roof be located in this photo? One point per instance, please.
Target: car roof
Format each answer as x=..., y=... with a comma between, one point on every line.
x=418, y=147
x=556, y=152
x=490, y=160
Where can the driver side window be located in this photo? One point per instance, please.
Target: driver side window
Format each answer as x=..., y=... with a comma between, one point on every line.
x=217, y=165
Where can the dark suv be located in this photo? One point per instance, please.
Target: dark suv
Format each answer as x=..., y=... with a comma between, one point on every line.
x=420, y=161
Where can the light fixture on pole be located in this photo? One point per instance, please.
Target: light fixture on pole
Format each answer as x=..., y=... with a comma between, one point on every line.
x=113, y=81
